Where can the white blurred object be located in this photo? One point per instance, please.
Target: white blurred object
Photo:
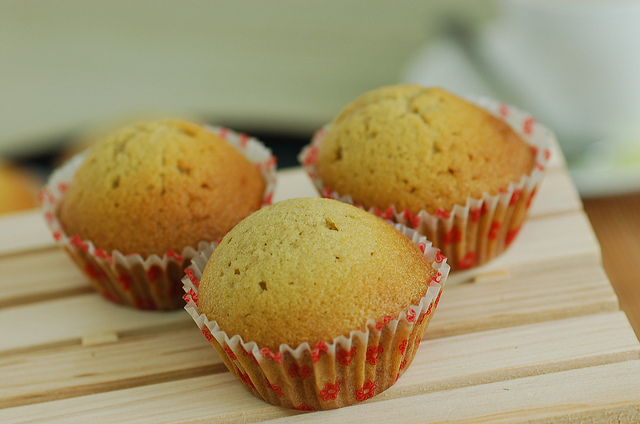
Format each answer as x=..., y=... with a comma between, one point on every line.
x=282, y=65
x=608, y=168
x=444, y=62
x=573, y=64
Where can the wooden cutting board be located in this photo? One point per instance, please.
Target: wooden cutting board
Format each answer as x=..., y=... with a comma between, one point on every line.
x=534, y=336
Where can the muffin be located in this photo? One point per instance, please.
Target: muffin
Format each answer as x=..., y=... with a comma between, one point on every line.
x=314, y=303
x=136, y=207
x=460, y=173
x=18, y=188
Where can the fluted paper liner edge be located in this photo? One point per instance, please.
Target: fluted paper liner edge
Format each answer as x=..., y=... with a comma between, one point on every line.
x=348, y=370
x=472, y=234
x=152, y=283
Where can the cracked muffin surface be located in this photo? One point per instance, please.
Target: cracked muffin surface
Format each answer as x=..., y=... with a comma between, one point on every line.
x=160, y=186
x=309, y=270
x=419, y=148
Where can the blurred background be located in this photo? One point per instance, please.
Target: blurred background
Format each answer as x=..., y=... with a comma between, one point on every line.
x=278, y=70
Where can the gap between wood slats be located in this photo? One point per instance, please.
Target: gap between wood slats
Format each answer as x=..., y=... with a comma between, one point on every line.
x=554, y=241
x=441, y=365
x=38, y=276
x=544, y=295
x=66, y=321
x=550, y=242
x=70, y=319
x=70, y=371
x=50, y=276
x=601, y=394
x=24, y=232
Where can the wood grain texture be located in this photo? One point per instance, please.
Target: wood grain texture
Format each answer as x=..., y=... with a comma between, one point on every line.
x=543, y=296
x=43, y=274
x=23, y=232
x=537, y=296
x=441, y=365
x=535, y=336
x=616, y=222
x=562, y=397
x=67, y=320
x=553, y=241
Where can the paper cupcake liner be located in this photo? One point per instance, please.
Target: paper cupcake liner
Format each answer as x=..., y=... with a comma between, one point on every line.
x=472, y=234
x=348, y=370
x=154, y=282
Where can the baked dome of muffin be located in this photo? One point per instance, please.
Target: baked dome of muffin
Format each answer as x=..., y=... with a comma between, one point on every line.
x=419, y=149
x=310, y=270
x=158, y=187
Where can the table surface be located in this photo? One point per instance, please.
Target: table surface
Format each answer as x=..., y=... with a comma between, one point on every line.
x=537, y=335
x=616, y=222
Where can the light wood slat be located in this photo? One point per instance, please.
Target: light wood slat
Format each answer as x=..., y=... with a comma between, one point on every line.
x=27, y=231
x=198, y=399
x=537, y=337
x=40, y=275
x=554, y=241
x=602, y=394
x=292, y=183
x=24, y=231
x=557, y=194
x=546, y=295
x=517, y=352
x=77, y=370
x=571, y=235
x=70, y=371
x=67, y=320
x=444, y=364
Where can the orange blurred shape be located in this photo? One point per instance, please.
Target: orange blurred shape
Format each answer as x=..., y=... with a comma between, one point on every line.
x=18, y=188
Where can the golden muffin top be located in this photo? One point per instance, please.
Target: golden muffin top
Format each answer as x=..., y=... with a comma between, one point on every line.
x=419, y=148
x=160, y=186
x=310, y=269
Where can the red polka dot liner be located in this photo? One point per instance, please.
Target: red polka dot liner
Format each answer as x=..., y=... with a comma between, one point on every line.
x=335, y=373
x=472, y=234
x=154, y=282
